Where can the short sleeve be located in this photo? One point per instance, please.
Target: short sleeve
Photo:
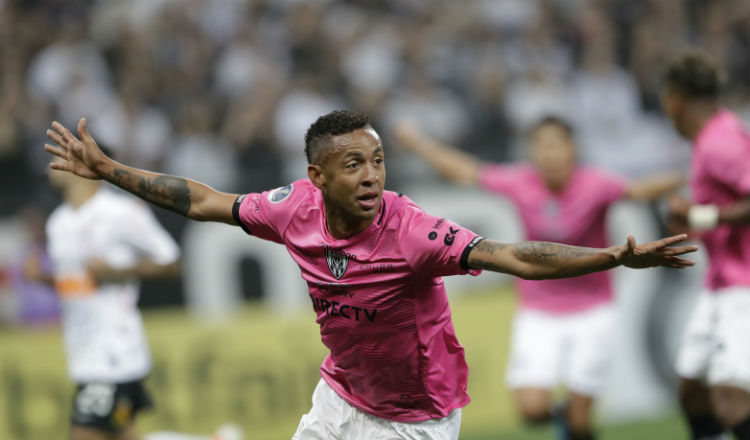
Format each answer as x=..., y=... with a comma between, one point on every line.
x=144, y=232
x=434, y=246
x=266, y=215
x=730, y=164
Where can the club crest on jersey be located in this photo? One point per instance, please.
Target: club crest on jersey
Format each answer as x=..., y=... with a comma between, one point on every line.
x=337, y=262
x=280, y=194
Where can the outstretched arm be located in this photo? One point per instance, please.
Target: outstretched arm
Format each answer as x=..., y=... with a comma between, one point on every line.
x=686, y=216
x=654, y=187
x=452, y=163
x=536, y=260
x=83, y=157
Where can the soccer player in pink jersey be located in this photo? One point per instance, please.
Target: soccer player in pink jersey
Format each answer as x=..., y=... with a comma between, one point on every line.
x=714, y=360
x=563, y=329
x=373, y=262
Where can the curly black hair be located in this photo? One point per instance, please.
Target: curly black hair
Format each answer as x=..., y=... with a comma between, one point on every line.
x=694, y=74
x=332, y=124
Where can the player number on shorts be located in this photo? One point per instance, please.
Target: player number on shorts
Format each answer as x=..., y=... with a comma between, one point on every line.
x=96, y=399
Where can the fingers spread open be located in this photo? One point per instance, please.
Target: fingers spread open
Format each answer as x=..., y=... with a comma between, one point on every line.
x=55, y=137
x=57, y=151
x=679, y=250
x=61, y=166
x=671, y=240
x=83, y=132
x=679, y=263
x=64, y=132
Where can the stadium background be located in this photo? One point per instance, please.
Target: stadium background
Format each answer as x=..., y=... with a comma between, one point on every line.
x=223, y=90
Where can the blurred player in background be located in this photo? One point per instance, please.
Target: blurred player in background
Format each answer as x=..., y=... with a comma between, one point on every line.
x=373, y=262
x=563, y=331
x=714, y=360
x=101, y=244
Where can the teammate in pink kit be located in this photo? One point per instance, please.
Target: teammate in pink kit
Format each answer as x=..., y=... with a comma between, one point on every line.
x=714, y=360
x=373, y=261
x=563, y=329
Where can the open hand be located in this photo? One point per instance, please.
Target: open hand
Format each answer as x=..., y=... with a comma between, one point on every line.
x=78, y=156
x=655, y=253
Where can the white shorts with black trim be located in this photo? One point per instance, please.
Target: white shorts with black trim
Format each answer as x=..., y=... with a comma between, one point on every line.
x=716, y=344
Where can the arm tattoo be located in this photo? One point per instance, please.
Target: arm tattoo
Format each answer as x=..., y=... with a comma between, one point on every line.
x=535, y=252
x=490, y=246
x=169, y=192
x=486, y=247
x=536, y=260
x=542, y=251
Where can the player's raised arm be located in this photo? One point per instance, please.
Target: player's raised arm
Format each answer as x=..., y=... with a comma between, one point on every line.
x=651, y=188
x=683, y=214
x=535, y=260
x=82, y=156
x=452, y=163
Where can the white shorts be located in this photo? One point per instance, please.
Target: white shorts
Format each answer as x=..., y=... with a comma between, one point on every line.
x=572, y=349
x=716, y=343
x=331, y=417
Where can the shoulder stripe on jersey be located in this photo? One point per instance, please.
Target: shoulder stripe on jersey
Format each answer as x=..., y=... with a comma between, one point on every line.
x=382, y=213
x=464, y=261
x=236, y=213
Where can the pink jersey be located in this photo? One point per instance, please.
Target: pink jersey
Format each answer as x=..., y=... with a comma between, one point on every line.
x=576, y=216
x=720, y=176
x=378, y=296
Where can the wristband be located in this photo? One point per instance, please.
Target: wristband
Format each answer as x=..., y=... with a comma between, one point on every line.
x=702, y=217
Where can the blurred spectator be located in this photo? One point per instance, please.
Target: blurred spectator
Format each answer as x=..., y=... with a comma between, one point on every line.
x=198, y=151
x=136, y=132
x=303, y=102
x=604, y=99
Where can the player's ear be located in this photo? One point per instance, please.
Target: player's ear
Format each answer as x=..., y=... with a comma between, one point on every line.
x=317, y=175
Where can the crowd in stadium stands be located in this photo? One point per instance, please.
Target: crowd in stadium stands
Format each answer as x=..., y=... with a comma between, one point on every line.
x=223, y=90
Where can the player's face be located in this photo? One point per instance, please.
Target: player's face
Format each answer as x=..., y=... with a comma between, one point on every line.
x=352, y=176
x=672, y=104
x=553, y=154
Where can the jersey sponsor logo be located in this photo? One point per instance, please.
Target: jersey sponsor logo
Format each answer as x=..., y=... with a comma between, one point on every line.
x=255, y=202
x=343, y=310
x=450, y=236
x=280, y=194
x=377, y=268
x=334, y=289
x=337, y=262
